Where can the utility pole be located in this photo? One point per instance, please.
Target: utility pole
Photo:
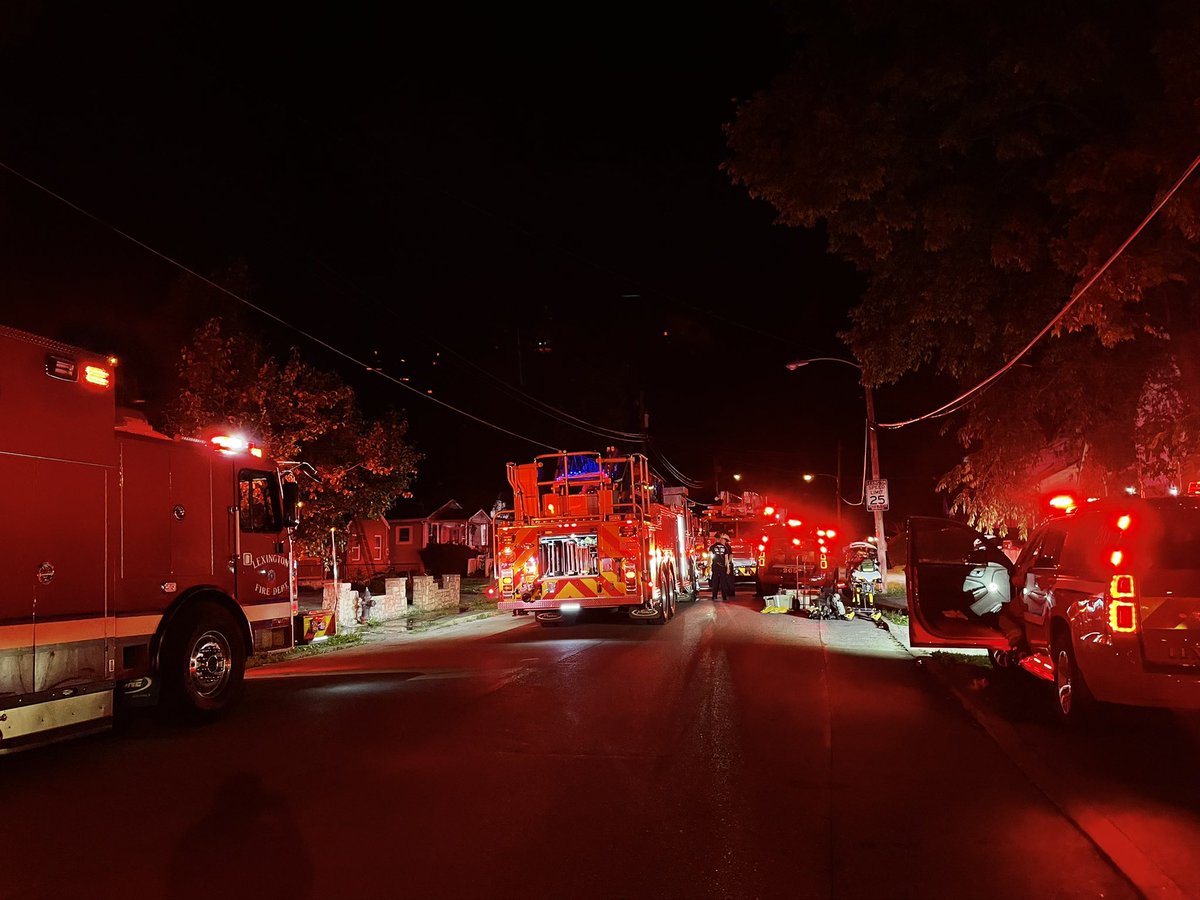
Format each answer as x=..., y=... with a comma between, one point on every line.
x=873, y=441
x=838, y=480
x=873, y=448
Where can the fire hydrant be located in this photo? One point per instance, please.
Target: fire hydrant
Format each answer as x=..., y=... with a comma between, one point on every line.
x=365, y=602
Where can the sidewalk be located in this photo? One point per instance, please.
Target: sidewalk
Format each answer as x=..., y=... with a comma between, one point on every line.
x=423, y=622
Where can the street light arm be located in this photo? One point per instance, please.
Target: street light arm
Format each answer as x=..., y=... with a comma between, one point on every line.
x=797, y=363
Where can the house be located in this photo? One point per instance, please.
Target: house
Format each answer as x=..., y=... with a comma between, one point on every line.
x=393, y=545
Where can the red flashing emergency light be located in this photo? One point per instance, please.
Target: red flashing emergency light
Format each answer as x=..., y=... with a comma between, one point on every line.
x=232, y=444
x=770, y=510
x=1061, y=502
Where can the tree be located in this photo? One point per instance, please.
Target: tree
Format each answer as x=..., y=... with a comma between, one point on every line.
x=295, y=412
x=978, y=173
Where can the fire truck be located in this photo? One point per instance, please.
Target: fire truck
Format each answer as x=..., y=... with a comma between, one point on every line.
x=798, y=558
x=137, y=568
x=741, y=517
x=592, y=531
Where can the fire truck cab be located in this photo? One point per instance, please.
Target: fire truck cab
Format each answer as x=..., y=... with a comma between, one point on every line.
x=137, y=567
x=592, y=531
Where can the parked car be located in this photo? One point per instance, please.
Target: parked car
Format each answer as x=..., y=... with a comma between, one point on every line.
x=1103, y=601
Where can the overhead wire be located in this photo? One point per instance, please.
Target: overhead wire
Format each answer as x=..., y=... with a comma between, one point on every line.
x=962, y=398
x=684, y=479
x=235, y=296
x=535, y=403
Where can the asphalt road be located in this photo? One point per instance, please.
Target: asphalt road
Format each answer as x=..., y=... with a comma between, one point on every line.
x=726, y=754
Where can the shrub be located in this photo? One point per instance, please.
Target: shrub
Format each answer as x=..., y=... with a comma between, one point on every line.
x=447, y=559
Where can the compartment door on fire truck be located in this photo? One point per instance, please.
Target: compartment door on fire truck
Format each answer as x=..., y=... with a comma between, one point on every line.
x=56, y=593
x=262, y=568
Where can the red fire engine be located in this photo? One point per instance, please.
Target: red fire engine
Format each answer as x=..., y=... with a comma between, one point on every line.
x=592, y=531
x=796, y=557
x=740, y=517
x=136, y=567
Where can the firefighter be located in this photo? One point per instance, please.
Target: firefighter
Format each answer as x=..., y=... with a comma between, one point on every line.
x=720, y=576
x=864, y=578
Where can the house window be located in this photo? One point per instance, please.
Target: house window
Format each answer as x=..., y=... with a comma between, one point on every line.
x=403, y=534
x=378, y=541
x=355, y=552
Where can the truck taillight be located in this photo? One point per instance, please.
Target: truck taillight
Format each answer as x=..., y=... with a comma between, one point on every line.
x=1122, y=604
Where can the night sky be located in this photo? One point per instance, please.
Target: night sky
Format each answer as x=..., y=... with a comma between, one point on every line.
x=512, y=209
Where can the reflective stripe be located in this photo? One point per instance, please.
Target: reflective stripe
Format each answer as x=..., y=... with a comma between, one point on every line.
x=266, y=611
x=14, y=637
x=137, y=626
x=71, y=631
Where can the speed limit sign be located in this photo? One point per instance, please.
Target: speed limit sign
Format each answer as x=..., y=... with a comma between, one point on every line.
x=877, y=495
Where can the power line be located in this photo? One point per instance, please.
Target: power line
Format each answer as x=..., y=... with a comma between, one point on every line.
x=330, y=347
x=960, y=400
x=541, y=406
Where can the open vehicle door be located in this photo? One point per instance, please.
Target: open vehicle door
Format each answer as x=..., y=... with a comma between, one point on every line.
x=957, y=581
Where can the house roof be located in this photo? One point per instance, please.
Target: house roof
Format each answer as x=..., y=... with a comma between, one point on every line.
x=450, y=511
x=409, y=510
x=417, y=511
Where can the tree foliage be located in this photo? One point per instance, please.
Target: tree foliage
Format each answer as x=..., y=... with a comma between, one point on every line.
x=295, y=412
x=979, y=163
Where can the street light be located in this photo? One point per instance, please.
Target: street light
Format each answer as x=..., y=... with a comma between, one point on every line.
x=873, y=447
x=837, y=481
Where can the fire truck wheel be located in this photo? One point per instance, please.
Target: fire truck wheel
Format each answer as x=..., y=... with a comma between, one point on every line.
x=203, y=662
x=652, y=615
x=667, y=593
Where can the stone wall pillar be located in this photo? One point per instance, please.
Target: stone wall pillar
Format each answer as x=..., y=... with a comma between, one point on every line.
x=394, y=602
x=347, y=607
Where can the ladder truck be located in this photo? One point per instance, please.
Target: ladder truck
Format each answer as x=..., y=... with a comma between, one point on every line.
x=593, y=531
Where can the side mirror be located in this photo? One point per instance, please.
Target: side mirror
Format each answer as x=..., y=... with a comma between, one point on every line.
x=291, y=504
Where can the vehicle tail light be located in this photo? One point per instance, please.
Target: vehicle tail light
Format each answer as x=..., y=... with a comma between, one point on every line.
x=1122, y=604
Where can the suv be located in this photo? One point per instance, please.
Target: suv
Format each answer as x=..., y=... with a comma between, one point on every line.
x=1103, y=601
